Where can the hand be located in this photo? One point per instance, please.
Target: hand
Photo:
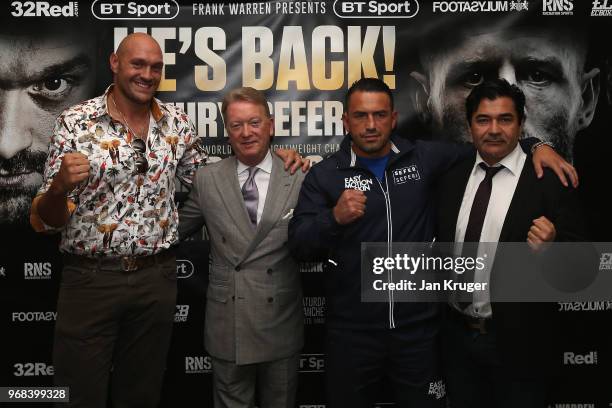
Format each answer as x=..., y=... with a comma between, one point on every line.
x=545, y=156
x=293, y=160
x=541, y=231
x=73, y=170
x=350, y=206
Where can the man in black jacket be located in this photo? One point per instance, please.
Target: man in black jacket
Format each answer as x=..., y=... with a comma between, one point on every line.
x=376, y=188
x=500, y=354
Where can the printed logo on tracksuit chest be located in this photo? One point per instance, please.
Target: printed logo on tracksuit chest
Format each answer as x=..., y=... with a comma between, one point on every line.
x=405, y=174
x=358, y=182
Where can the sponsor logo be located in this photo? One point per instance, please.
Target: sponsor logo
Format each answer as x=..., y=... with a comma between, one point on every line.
x=437, y=389
x=601, y=8
x=376, y=9
x=44, y=9
x=182, y=312
x=135, y=10
x=585, y=306
x=312, y=363
x=572, y=405
x=37, y=270
x=184, y=268
x=571, y=358
x=356, y=183
x=198, y=364
x=34, y=316
x=519, y=5
x=605, y=262
x=479, y=6
x=2, y=271
x=307, y=267
x=557, y=7
x=314, y=309
x=32, y=369
x=405, y=174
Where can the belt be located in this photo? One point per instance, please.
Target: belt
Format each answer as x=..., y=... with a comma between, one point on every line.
x=480, y=324
x=122, y=263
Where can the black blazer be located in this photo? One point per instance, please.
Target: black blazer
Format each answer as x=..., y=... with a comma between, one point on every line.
x=526, y=331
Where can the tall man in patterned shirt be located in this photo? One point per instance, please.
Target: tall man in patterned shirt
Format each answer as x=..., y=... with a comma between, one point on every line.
x=109, y=187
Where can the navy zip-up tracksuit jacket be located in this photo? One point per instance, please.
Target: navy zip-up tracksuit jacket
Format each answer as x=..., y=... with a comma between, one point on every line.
x=399, y=208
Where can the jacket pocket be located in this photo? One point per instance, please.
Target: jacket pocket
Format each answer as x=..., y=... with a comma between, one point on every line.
x=218, y=293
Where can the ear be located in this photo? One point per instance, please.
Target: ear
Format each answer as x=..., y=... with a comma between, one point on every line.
x=421, y=97
x=345, y=122
x=590, y=96
x=114, y=63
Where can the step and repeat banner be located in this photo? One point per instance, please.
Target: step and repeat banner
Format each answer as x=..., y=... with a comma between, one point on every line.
x=304, y=55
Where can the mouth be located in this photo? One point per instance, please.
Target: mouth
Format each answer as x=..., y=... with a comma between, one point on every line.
x=249, y=143
x=145, y=86
x=19, y=180
x=371, y=137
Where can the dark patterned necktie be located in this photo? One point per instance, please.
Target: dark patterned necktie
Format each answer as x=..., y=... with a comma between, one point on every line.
x=480, y=204
x=251, y=196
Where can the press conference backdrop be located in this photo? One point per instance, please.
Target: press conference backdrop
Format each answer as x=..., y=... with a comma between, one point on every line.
x=304, y=55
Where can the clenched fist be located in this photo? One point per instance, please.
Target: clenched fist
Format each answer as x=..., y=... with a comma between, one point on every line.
x=541, y=231
x=73, y=170
x=350, y=206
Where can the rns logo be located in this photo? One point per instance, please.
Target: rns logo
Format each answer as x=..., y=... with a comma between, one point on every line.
x=557, y=7
x=44, y=9
x=570, y=358
x=182, y=311
x=198, y=365
x=32, y=369
x=38, y=270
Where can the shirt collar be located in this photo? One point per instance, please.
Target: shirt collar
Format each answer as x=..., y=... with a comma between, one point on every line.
x=158, y=110
x=512, y=161
x=265, y=164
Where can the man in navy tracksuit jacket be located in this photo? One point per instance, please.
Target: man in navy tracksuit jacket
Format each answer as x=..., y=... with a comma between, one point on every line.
x=393, y=178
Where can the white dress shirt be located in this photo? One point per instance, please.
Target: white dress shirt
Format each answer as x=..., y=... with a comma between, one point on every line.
x=262, y=180
x=503, y=187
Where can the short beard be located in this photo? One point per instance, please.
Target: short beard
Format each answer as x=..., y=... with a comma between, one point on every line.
x=15, y=201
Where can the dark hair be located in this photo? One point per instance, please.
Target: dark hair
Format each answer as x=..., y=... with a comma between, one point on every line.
x=368, y=85
x=493, y=89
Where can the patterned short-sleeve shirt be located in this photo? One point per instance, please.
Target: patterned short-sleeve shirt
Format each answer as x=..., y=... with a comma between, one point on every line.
x=118, y=210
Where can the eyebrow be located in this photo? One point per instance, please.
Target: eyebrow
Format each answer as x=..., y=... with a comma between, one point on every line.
x=79, y=62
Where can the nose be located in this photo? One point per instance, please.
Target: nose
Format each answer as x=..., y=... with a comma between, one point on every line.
x=494, y=128
x=371, y=123
x=507, y=72
x=15, y=120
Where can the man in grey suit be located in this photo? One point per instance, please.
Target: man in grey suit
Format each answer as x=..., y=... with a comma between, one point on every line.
x=254, y=317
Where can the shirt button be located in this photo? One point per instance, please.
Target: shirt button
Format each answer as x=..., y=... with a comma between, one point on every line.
x=237, y=268
x=270, y=299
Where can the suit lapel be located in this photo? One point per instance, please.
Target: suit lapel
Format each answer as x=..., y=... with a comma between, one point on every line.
x=226, y=181
x=519, y=206
x=279, y=188
x=456, y=189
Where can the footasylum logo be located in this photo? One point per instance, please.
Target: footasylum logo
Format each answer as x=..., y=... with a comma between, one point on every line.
x=602, y=8
x=571, y=358
x=27, y=317
x=479, y=6
x=557, y=7
x=44, y=9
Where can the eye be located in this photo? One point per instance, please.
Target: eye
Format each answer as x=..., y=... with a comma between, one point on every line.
x=538, y=77
x=255, y=123
x=473, y=79
x=52, y=88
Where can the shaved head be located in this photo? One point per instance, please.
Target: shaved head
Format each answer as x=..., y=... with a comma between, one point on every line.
x=136, y=40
